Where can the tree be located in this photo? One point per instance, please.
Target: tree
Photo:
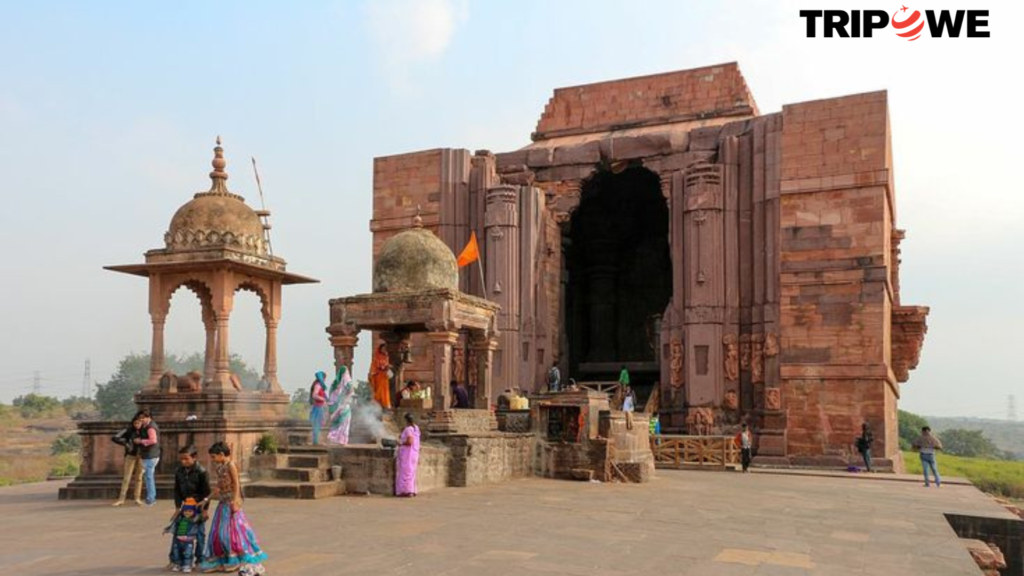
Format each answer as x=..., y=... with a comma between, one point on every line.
x=970, y=443
x=910, y=428
x=116, y=398
x=36, y=405
x=66, y=444
x=79, y=408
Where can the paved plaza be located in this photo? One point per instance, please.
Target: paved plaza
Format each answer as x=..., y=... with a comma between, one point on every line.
x=705, y=523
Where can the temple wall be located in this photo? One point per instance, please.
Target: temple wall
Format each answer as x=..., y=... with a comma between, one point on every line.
x=783, y=240
x=836, y=298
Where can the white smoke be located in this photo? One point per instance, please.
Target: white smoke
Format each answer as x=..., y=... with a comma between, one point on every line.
x=367, y=419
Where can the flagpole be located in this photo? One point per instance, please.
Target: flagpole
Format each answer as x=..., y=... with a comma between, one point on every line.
x=480, y=266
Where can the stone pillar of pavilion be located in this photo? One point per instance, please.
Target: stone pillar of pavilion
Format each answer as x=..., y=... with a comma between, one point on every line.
x=215, y=246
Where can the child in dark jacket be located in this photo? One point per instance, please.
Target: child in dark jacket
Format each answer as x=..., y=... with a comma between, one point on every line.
x=184, y=530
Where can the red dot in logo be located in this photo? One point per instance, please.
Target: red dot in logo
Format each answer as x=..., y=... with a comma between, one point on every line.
x=910, y=32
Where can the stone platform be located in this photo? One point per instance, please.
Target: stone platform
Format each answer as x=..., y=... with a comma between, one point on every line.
x=679, y=523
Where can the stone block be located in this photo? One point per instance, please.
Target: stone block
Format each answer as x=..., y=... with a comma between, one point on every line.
x=539, y=157
x=631, y=147
x=586, y=153
x=705, y=138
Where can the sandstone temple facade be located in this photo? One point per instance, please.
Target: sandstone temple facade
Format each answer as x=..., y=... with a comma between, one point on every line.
x=745, y=265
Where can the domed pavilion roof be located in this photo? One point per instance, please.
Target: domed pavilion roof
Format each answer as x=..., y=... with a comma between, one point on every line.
x=216, y=218
x=415, y=260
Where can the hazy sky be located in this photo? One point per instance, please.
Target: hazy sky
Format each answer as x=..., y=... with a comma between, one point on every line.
x=108, y=112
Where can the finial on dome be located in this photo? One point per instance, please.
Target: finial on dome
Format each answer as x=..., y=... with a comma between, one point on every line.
x=218, y=176
x=417, y=220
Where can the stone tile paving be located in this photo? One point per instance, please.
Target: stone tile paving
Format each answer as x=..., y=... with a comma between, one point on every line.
x=686, y=523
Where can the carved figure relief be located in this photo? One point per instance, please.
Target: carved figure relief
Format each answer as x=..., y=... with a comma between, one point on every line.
x=171, y=382
x=471, y=364
x=773, y=399
x=745, y=352
x=757, y=359
x=771, y=345
x=459, y=364
x=732, y=400
x=730, y=351
x=700, y=421
x=676, y=363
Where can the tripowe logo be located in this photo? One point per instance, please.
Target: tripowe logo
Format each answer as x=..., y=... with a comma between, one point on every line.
x=906, y=23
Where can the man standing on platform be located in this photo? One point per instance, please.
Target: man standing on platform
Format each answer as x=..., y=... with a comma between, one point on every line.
x=149, y=450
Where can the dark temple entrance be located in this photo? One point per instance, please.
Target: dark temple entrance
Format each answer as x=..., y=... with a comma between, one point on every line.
x=617, y=276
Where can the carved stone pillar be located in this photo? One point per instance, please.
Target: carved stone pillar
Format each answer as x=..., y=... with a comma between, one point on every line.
x=270, y=357
x=222, y=377
x=344, y=347
x=483, y=347
x=442, y=343
x=156, y=354
x=210, y=351
x=705, y=289
x=502, y=269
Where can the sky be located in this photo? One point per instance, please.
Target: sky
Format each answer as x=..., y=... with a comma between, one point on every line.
x=109, y=111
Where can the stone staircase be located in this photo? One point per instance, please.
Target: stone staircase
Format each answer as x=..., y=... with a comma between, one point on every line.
x=297, y=471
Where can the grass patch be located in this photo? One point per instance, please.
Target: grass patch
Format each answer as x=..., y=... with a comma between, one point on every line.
x=1000, y=477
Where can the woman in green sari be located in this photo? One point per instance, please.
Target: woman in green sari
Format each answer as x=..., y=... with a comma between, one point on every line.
x=339, y=407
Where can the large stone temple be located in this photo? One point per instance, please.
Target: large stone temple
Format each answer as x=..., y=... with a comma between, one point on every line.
x=744, y=265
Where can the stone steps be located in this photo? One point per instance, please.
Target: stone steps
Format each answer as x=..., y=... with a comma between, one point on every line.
x=297, y=490
x=301, y=471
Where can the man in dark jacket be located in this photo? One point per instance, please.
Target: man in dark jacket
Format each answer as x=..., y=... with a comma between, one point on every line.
x=191, y=480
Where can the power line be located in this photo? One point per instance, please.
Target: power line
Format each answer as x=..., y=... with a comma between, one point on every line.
x=87, y=380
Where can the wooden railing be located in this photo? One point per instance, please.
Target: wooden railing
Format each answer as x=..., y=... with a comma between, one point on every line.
x=677, y=451
x=609, y=387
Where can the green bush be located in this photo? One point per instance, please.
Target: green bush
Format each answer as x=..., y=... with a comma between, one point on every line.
x=66, y=444
x=36, y=405
x=267, y=444
x=910, y=428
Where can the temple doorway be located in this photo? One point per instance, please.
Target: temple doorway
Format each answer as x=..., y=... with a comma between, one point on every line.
x=617, y=277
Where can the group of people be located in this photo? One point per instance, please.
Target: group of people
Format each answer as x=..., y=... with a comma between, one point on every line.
x=232, y=543
x=334, y=404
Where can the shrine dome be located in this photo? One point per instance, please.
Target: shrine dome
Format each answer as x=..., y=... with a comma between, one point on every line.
x=415, y=260
x=216, y=218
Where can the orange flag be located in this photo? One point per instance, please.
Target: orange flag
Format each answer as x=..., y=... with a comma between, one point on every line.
x=471, y=253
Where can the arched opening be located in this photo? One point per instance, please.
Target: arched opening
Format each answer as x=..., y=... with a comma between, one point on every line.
x=617, y=275
x=185, y=331
x=247, y=344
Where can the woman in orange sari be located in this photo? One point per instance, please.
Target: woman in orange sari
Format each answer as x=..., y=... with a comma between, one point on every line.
x=379, y=380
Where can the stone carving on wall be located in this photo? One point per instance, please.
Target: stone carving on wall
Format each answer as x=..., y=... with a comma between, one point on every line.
x=757, y=359
x=745, y=352
x=730, y=351
x=732, y=400
x=471, y=364
x=171, y=382
x=700, y=421
x=182, y=239
x=676, y=363
x=773, y=399
x=459, y=364
x=771, y=345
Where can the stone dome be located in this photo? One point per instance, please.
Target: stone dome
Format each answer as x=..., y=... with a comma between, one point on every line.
x=415, y=260
x=216, y=218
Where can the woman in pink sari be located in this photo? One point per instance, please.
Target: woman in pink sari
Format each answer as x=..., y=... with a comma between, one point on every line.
x=407, y=459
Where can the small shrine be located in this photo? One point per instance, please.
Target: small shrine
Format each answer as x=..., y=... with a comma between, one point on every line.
x=215, y=246
x=415, y=290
